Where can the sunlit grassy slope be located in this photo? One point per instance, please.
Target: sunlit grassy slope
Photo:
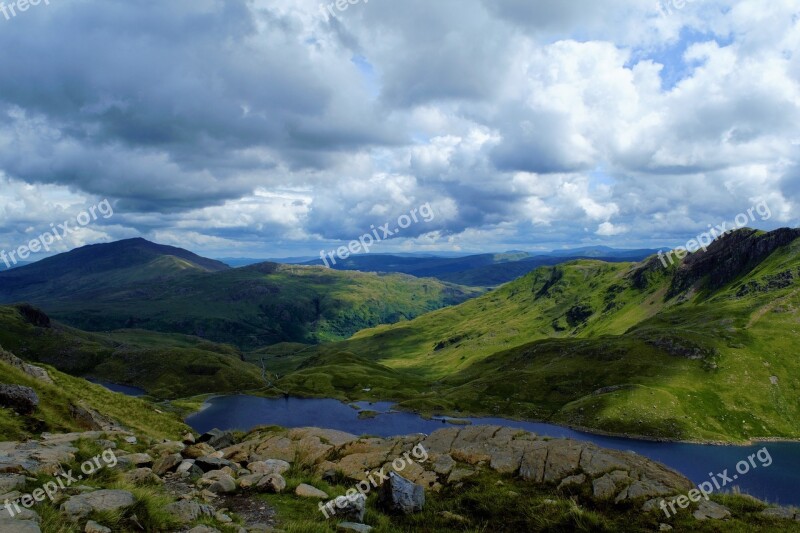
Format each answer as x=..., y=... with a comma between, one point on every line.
x=603, y=346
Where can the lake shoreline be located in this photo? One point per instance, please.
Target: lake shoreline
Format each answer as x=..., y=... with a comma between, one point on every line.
x=465, y=416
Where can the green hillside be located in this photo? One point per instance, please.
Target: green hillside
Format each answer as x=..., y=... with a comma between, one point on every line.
x=704, y=349
x=58, y=400
x=167, y=366
x=136, y=284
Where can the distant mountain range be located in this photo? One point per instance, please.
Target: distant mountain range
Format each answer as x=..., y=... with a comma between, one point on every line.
x=483, y=270
x=138, y=284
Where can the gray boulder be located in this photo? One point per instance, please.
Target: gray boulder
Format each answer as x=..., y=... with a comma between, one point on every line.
x=711, y=511
x=167, y=464
x=350, y=510
x=99, y=501
x=9, y=525
x=272, y=483
x=217, y=439
x=23, y=400
x=187, y=512
x=401, y=495
x=208, y=464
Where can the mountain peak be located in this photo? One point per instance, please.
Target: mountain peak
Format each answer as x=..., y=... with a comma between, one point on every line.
x=105, y=258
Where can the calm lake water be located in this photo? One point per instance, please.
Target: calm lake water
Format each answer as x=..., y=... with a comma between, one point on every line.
x=123, y=389
x=776, y=483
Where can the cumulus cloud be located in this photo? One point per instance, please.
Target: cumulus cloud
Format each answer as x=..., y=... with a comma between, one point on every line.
x=269, y=128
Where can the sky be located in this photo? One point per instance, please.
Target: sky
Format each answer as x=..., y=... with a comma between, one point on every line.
x=250, y=128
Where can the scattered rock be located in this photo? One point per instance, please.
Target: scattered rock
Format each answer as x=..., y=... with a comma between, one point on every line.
x=249, y=481
x=142, y=476
x=307, y=491
x=196, y=451
x=270, y=466
x=349, y=510
x=167, y=463
x=401, y=495
x=99, y=501
x=224, y=484
x=10, y=525
x=10, y=482
x=217, y=439
x=140, y=459
x=188, y=439
x=711, y=511
x=94, y=527
x=169, y=448
x=187, y=512
x=204, y=529
x=275, y=484
x=93, y=420
x=23, y=400
x=580, y=479
x=782, y=513
x=351, y=526
x=207, y=464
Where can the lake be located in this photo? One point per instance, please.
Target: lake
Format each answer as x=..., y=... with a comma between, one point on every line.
x=122, y=389
x=777, y=483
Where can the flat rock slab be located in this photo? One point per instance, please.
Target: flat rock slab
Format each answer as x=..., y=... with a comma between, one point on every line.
x=98, y=501
x=9, y=525
x=307, y=491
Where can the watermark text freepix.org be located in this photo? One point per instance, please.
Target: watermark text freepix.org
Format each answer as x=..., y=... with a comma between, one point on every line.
x=329, y=10
x=704, y=240
x=20, y=6
x=65, y=479
x=665, y=6
x=717, y=482
x=59, y=231
x=366, y=241
x=373, y=480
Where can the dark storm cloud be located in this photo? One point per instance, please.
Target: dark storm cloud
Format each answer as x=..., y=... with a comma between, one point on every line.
x=156, y=102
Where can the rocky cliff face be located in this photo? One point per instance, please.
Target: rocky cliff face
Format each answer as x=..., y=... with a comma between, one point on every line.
x=728, y=258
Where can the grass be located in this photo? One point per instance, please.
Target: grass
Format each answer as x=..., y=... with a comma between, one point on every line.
x=493, y=503
x=54, y=412
x=592, y=345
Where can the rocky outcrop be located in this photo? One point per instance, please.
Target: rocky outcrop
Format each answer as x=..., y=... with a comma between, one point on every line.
x=33, y=371
x=23, y=400
x=400, y=470
x=728, y=258
x=92, y=420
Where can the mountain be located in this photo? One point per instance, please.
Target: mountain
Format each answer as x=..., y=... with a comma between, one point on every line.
x=166, y=366
x=700, y=349
x=102, y=266
x=138, y=284
x=483, y=270
x=604, y=253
